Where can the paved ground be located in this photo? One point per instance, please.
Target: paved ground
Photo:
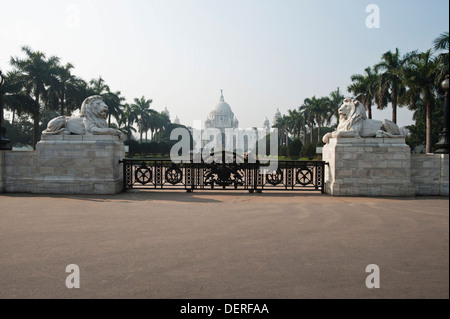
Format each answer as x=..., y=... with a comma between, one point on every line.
x=223, y=245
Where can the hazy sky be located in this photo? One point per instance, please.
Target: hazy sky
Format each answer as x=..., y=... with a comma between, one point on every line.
x=264, y=54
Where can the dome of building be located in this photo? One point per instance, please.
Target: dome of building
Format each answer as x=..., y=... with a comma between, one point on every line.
x=276, y=116
x=221, y=116
x=222, y=108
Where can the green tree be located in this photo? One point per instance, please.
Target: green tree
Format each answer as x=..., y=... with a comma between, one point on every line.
x=391, y=86
x=309, y=115
x=336, y=99
x=162, y=123
x=441, y=46
x=282, y=125
x=143, y=113
x=114, y=102
x=308, y=151
x=67, y=92
x=420, y=75
x=14, y=97
x=364, y=88
x=37, y=73
x=294, y=123
x=127, y=120
x=98, y=86
x=294, y=148
x=317, y=111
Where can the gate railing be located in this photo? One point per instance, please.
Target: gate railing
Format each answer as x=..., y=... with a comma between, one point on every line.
x=190, y=176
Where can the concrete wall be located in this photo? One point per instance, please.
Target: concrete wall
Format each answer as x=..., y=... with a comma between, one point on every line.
x=19, y=171
x=65, y=165
x=430, y=174
x=383, y=167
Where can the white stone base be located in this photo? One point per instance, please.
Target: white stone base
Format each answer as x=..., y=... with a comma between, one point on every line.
x=368, y=167
x=66, y=164
x=429, y=173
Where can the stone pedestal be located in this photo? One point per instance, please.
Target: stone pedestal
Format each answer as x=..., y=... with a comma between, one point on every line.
x=73, y=164
x=368, y=167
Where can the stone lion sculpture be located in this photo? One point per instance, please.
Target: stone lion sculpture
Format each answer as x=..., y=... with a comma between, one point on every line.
x=91, y=121
x=353, y=123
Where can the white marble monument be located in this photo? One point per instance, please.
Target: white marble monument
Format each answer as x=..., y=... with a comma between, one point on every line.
x=366, y=157
x=91, y=121
x=76, y=155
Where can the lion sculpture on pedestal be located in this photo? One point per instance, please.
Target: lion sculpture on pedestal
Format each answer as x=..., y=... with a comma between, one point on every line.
x=91, y=121
x=353, y=123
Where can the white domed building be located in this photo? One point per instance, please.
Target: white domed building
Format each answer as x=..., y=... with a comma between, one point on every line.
x=277, y=116
x=222, y=117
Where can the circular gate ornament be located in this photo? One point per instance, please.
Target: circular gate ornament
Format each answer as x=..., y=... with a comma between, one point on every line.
x=143, y=175
x=174, y=175
x=304, y=176
x=275, y=178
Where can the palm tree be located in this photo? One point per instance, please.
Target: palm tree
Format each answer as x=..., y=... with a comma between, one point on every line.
x=336, y=99
x=37, y=72
x=141, y=108
x=114, y=102
x=127, y=120
x=163, y=122
x=14, y=97
x=420, y=78
x=323, y=116
x=364, y=88
x=295, y=123
x=309, y=113
x=99, y=86
x=67, y=92
x=390, y=84
x=442, y=44
x=282, y=125
x=112, y=99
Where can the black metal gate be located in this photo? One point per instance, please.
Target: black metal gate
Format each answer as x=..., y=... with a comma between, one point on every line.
x=190, y=176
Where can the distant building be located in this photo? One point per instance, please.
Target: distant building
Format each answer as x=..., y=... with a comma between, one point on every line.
x=266, y=124
x=221, y=116
x=166, y=111
x=177, y=120
x=276, y=117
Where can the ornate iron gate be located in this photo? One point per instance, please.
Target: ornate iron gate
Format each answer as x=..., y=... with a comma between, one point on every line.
x=190, y=176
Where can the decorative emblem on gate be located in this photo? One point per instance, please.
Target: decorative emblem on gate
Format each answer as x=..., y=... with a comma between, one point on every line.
x=143, y=175
x=304, y=176
x=275, y=178
x=174, y=175
x=223, y=175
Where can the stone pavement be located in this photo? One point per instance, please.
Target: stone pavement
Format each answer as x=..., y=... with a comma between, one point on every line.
x=223, y=245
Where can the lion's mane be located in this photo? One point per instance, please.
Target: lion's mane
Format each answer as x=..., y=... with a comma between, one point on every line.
x=90, y=112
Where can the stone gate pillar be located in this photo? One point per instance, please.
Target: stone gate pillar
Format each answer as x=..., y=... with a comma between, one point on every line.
x=368, y=167
x=78, y=164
